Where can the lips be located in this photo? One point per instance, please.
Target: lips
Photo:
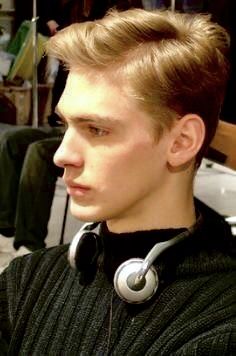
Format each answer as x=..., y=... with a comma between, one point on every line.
x=77, y=186
x=77, y=189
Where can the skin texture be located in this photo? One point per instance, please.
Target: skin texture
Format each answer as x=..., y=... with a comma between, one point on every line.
x=114, y=168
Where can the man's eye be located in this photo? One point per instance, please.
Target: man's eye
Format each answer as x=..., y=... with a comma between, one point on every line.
x=96, y=131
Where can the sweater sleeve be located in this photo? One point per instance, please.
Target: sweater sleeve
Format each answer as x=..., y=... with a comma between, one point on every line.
x=10, y=287
x=5, y=327
x=20, y=285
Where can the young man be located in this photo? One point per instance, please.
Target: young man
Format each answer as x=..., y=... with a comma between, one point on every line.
x=141, y=104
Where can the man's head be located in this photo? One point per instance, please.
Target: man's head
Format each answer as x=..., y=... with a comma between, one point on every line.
x=143, y=88
x=172, y=64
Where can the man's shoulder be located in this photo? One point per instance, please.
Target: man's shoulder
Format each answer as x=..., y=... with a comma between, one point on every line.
x=45, y=258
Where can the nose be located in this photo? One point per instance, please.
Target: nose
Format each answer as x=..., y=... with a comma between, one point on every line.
x=68, y=153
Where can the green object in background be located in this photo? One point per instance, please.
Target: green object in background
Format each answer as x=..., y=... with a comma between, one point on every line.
x=22, y=47
x=17, y=42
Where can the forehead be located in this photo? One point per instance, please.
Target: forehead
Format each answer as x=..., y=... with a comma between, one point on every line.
x=95, y=94
x=91, y=90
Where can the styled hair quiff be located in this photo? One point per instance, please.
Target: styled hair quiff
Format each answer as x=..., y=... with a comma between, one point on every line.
x=174, y=63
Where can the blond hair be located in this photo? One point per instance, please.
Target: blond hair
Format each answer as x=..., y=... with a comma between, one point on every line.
x=175, y=63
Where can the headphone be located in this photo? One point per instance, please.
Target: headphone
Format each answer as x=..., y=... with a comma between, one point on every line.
x=135, y=280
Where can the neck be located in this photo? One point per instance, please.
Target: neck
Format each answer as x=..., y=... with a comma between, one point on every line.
x=170, y=206
x=175, y=214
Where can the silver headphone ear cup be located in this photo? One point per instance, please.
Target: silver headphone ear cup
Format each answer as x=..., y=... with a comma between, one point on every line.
x=84, y=249
x=73, y=248
x=122, y=286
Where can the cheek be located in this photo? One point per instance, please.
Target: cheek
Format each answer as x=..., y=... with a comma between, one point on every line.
x=120, y=163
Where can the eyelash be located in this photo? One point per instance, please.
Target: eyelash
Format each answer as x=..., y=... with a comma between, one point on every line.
x=96, y=131
x=65, y=125
x=92, y=130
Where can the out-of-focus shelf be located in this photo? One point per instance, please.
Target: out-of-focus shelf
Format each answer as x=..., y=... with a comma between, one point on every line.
x=7, y=12
x=7, y=19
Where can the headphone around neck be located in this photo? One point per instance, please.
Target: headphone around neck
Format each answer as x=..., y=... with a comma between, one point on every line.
x=135, y=280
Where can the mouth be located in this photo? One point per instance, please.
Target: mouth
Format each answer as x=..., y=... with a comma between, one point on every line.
x=77, y=190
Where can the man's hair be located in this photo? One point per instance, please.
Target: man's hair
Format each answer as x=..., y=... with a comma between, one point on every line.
x=173, y=63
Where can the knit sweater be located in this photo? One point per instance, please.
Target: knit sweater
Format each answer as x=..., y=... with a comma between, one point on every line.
x=47, y=308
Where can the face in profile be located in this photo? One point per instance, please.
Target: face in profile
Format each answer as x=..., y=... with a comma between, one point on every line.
x=114, y=169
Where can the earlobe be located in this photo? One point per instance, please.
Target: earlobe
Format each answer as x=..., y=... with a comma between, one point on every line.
x=187, y=137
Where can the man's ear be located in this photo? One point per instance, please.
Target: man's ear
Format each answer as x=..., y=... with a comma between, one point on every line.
x=187, y=137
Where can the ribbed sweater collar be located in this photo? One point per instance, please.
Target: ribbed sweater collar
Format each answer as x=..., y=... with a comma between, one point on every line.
x=188, y=257
x=118, y=248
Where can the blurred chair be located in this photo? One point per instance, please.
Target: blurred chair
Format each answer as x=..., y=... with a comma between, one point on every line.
x=223, y=151
x=224, y=143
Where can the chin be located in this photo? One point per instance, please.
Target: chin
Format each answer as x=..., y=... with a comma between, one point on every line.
x=85, y=214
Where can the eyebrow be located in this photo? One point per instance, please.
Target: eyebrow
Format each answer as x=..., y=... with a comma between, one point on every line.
x=86, y=117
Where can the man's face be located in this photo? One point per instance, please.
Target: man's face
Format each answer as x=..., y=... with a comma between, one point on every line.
x=113, y=168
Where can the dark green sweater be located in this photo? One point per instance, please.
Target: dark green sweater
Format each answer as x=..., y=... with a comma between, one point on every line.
x=45, y=309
